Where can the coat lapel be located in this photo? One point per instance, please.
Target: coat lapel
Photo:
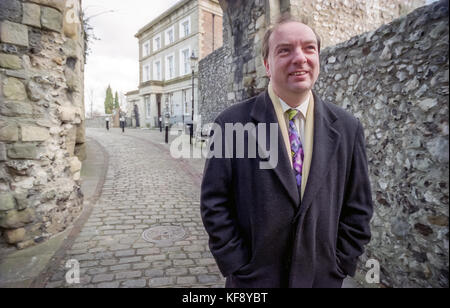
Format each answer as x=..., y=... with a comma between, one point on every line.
x=264, y=112
x=326, y=141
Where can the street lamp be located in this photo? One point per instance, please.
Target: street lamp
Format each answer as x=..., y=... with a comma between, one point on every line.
x=166, y=120
x=193, y=64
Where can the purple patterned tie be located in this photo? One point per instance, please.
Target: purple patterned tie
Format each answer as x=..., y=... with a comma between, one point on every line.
x=296, y=147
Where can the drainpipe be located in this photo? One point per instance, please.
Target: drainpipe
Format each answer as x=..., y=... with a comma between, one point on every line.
x=213, y=15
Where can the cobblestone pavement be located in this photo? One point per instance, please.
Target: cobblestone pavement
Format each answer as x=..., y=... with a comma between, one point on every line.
x=144, y=188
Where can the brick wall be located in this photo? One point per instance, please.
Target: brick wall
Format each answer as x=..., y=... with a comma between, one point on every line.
x=212, y=35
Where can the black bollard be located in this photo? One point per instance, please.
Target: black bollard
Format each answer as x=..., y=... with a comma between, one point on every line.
x=167, y=133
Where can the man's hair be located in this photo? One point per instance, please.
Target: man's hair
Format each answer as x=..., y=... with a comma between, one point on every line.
x=285, y=18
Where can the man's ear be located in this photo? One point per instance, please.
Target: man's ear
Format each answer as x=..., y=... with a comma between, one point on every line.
x=266, y=64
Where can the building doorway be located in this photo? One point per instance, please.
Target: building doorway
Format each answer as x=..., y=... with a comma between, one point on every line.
x=136, y=115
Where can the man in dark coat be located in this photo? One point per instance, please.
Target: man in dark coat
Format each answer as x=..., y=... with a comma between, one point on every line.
x=304, y=221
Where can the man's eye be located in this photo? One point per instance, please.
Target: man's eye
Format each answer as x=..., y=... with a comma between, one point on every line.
x=283, y=50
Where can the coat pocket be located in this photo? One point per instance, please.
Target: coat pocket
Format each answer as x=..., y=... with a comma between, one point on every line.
x=246, y=269
x=337, y=269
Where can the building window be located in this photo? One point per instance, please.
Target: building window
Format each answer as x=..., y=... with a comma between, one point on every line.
x=184, y=61
x=170, y=68
x=185, y=100
x=157, y=70
x=157, y=43
x=146, y=72
x=147, y=106
x=170, y=36
x=185, y=27
x=146, y=49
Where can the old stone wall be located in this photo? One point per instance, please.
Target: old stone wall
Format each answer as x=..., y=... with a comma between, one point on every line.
x=96, y=122
x=395, y=80
x=338, y=20
x=244, y=25
x=41, y=118
x=228, y=75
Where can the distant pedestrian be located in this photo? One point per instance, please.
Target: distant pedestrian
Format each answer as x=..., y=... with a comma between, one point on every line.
x=107, y=123
x=122, y=123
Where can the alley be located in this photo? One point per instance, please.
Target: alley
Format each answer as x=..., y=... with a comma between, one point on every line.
x=145, y=229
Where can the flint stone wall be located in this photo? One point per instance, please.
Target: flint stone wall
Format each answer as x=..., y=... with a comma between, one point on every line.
x=395, y=80
x=41, y=119
x=215, y=90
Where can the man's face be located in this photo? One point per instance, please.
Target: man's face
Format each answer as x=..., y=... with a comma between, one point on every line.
x=293, y=61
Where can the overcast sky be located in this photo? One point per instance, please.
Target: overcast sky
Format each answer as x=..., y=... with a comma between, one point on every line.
x=114, y=59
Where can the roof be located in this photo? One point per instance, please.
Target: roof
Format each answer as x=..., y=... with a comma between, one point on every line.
x=161, y=17
x=134, y=92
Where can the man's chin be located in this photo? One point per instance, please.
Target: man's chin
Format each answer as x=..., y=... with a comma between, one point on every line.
x=300, y=89
x=292, y=89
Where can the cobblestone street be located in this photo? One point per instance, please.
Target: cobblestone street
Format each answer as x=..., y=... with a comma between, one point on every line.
x=144, y=188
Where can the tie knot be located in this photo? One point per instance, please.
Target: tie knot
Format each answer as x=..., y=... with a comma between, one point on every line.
x=292, y=113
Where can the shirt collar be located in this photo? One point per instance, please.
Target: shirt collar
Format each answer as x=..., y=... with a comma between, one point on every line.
x=303, y=108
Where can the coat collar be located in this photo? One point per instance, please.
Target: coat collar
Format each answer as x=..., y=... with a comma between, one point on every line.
x=264, y=112
x=263, y=108
x=326, y=141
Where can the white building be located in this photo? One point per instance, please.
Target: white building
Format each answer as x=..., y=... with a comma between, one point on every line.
x=165, y=47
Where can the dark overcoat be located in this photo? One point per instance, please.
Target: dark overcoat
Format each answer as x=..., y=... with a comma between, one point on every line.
x=261, y=233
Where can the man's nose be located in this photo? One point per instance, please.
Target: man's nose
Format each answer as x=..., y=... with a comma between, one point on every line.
x=299, y=56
